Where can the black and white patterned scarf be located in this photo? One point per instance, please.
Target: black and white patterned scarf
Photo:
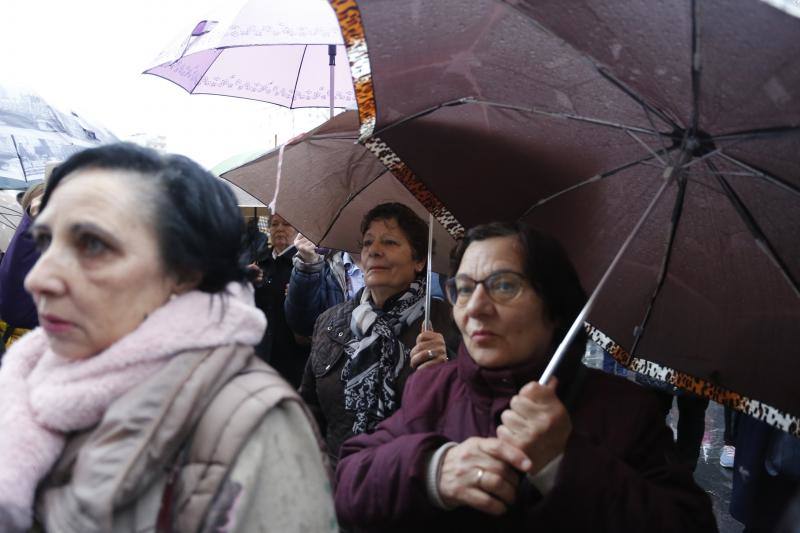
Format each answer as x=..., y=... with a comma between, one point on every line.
x=376, y=356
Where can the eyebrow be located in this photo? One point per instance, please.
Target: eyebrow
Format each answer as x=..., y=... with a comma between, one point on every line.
x=89, y=227
x=78, y=228
x=501, y=271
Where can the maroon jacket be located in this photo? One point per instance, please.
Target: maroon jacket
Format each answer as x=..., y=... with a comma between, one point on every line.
x=618, y=471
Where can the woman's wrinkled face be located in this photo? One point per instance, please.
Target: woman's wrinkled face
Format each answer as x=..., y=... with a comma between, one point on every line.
x=387, y=260
x=507, y=334
x=281, y=233
x=101, y=272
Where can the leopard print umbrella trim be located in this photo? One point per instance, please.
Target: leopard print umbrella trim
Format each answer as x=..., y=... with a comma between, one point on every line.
x=355, y=42
x=701, y=387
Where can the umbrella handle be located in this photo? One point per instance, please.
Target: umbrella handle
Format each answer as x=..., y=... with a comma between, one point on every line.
x=427, y=325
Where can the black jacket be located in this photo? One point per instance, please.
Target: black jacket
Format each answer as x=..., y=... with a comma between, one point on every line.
x=279, y=347
x=322, y=387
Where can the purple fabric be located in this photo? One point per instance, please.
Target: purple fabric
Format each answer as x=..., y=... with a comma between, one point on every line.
x=618, y=471
x=16, y=305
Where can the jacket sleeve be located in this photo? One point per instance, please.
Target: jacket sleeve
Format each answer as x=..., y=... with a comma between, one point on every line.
x=647, y=491
x=308, y=384
x=380, y=478
x=279, y=482
x=306, y=297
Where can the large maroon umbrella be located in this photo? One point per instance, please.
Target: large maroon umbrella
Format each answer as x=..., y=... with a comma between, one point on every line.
x=581, y=117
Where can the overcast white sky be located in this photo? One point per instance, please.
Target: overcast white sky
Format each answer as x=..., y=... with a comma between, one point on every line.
x=88, y=55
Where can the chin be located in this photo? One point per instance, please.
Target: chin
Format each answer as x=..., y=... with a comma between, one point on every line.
x=488, y=358
x=69, y=350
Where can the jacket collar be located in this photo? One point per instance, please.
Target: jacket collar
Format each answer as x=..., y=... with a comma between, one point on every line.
x=488, y=384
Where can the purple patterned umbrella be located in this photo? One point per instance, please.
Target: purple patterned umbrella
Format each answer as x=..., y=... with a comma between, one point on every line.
x=286, y=53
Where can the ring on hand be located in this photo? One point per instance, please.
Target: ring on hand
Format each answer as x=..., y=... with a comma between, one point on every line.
x=431, y=355
x=478, y=477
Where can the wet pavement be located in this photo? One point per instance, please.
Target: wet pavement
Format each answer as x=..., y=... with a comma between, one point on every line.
x=715, y=479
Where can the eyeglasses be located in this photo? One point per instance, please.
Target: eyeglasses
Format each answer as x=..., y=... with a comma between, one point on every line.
x=501, y=287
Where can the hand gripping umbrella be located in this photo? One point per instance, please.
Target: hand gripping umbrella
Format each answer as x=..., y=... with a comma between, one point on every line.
x=657, y=140
x=283, y=53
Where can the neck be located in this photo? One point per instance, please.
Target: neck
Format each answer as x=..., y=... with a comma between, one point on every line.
x=379, y=297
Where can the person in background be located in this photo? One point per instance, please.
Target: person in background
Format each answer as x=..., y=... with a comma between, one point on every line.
x=280, y=347
x=255, y=244
x=318, y=282
x=766, y=474
x=364, y=349
x=479, y=445
x=139, y=404
x=17, y=310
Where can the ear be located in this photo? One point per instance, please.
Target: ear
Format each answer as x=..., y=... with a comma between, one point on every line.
x=187, y=282
x=419, y=266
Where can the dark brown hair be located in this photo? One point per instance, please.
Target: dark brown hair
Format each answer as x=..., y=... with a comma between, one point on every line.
x=414, y=228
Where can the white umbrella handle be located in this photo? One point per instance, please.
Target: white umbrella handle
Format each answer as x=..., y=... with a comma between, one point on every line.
x=428, y=325
x=332, y=63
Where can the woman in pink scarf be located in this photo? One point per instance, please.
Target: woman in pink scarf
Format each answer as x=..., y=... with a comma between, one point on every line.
x=138, y=404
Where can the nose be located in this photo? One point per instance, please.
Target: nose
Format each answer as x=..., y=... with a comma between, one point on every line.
x=46, y=277
x=373, y=250
x=479, y=302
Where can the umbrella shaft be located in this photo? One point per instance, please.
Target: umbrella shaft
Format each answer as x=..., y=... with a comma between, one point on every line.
x=672, y=173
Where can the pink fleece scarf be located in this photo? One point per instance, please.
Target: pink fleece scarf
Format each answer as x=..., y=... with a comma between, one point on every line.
x=44, y=396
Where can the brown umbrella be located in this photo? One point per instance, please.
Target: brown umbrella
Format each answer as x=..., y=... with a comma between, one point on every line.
x=327, y=183
x=592, y=119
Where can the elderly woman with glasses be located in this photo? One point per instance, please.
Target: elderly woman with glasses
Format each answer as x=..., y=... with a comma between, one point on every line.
x=479, y=445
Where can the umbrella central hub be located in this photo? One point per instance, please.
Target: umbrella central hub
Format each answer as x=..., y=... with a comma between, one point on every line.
x=698, y=142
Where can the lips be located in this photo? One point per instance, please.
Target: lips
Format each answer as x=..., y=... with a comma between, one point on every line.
x=482, y=335
x=54, y=324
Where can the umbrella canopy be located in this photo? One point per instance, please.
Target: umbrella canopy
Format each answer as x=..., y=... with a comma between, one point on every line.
x=32, y=133
x=10, y=217
x=328, y=182
x=266, y=50
x=581, y=118
x=248, y=204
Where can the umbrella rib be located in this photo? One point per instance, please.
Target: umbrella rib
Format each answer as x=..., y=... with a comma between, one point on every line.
x=602, y=72
x=532, y=110
x=297, y=79
x=677, y=211
x=644, y=145
x=350, y=199
x=764, y=132
x=596, y=177
x=696, y=65
x=200, y=78
x=21, y=163
x=775, y=180
x=761, y=239
x=638, y=99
